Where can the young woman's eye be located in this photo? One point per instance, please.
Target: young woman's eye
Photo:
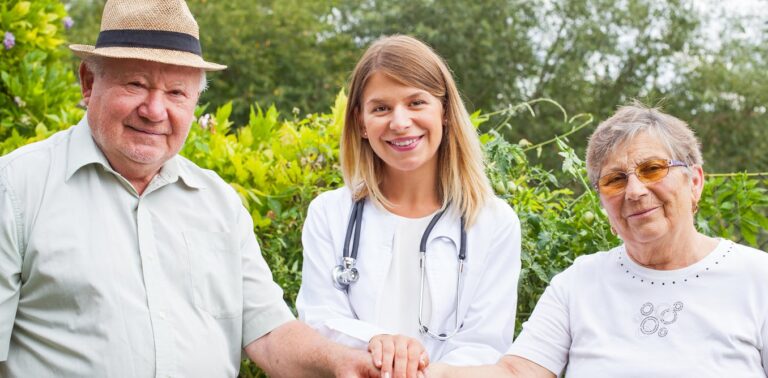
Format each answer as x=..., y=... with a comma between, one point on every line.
x=418, y=102
x=379, y=108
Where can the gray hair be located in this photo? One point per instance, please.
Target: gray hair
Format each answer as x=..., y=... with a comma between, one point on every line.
x=96, y=64
x=632, y=120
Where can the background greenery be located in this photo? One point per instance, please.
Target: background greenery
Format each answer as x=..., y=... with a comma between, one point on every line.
x=297, y=54
x=589, y=55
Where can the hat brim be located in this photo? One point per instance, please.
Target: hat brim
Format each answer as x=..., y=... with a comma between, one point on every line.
x=173, y=57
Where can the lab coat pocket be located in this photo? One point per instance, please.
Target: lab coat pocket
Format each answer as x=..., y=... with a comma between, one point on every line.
x=215, y=269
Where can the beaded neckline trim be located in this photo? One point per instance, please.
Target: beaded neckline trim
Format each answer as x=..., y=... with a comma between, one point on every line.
x=630, y=274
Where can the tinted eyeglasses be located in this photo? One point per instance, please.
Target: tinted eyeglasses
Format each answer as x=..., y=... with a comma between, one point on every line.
x=647, y=172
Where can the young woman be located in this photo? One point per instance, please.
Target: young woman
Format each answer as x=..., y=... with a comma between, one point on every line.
x=414, y=258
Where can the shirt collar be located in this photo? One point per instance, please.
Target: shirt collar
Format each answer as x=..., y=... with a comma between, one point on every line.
x=84, y=151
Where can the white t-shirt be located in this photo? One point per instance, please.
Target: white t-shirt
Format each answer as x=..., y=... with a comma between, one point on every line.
x=607, y=316
x=399, y=304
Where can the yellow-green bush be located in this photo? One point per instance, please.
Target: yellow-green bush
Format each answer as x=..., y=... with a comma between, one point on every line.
x=38, y=90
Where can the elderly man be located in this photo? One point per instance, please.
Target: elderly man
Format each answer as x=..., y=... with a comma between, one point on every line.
x=119, y=258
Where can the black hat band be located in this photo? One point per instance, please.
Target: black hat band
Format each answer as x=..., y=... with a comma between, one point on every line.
x=153, y=39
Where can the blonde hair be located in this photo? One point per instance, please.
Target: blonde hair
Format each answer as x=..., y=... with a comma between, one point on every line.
x=461, y=176
x=630, y=121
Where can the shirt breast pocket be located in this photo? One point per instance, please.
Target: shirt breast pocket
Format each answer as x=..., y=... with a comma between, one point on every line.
x=215, y=270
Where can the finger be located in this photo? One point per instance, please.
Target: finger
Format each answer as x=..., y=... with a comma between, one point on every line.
x=374, y=346
x=423, y=360
x=415, y=352
x=387, y=357
x=401, y=358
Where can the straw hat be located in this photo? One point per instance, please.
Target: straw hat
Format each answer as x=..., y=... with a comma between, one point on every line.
x=156, y=30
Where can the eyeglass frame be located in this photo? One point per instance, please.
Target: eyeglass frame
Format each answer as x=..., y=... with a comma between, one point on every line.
x=670, y=163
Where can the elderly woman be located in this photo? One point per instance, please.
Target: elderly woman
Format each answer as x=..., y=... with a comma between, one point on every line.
x=670, y=301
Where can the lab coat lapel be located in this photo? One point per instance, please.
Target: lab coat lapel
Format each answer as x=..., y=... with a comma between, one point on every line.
x=376, y=255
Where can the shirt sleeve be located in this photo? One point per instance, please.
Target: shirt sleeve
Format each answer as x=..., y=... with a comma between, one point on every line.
x=10, y=264
x=546, y=336
x=489, y=324
x=319, y=303
x=263, y=306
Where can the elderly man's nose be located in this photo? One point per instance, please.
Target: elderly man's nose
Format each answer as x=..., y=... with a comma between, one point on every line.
x=153, y=107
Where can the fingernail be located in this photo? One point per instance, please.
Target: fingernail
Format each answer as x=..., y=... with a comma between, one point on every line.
x=378, y=363
x=385, y=375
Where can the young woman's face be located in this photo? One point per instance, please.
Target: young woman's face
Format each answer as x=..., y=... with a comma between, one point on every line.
x=403, y=124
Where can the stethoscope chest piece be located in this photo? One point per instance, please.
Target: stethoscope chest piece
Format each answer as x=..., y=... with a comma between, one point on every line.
x=345, y=274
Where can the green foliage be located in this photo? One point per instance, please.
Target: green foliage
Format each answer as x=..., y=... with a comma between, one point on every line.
x=277, y=52
x=589, y=55
x=38, y=92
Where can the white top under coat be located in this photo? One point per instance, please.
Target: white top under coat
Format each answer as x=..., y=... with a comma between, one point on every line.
x=399, y=304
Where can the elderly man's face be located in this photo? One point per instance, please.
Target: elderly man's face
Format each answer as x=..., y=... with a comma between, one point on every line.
x=140, y=112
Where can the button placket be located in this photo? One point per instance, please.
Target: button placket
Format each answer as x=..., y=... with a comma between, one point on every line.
x=155, y=288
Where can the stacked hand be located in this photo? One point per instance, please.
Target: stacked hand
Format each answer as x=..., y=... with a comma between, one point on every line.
x=398, y=356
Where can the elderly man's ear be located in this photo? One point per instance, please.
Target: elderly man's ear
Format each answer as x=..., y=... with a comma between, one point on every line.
x=86, y=82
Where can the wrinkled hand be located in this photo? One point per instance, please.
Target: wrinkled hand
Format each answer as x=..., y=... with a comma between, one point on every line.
x=398, y=356
x=355, y=364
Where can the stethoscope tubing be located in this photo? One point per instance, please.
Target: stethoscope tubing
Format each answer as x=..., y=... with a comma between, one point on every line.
x=349, y=259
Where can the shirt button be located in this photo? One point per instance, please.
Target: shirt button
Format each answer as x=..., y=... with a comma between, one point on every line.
x=161, y=315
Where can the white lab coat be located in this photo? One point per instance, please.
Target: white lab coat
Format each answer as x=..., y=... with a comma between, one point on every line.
x=488, y=300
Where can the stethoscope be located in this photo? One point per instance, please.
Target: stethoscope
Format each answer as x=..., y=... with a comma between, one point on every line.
x=346, y=273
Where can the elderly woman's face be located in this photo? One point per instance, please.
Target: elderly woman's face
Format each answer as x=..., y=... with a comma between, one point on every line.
x=647, y=212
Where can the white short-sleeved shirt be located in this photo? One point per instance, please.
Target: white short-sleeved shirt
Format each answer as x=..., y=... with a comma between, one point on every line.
x=98, y=281
x=607, y=316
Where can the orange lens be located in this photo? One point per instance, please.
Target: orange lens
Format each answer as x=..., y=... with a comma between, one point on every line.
x=612, y=183
x=652, y=170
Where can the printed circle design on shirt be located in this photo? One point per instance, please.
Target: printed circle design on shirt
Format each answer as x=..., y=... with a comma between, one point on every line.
x=650, y=324
x=665, y=318
x=646, y=309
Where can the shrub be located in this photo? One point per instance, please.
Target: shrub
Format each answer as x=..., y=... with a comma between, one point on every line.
x=38, y=90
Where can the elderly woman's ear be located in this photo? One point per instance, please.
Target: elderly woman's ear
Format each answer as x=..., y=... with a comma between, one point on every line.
x=697, y=185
